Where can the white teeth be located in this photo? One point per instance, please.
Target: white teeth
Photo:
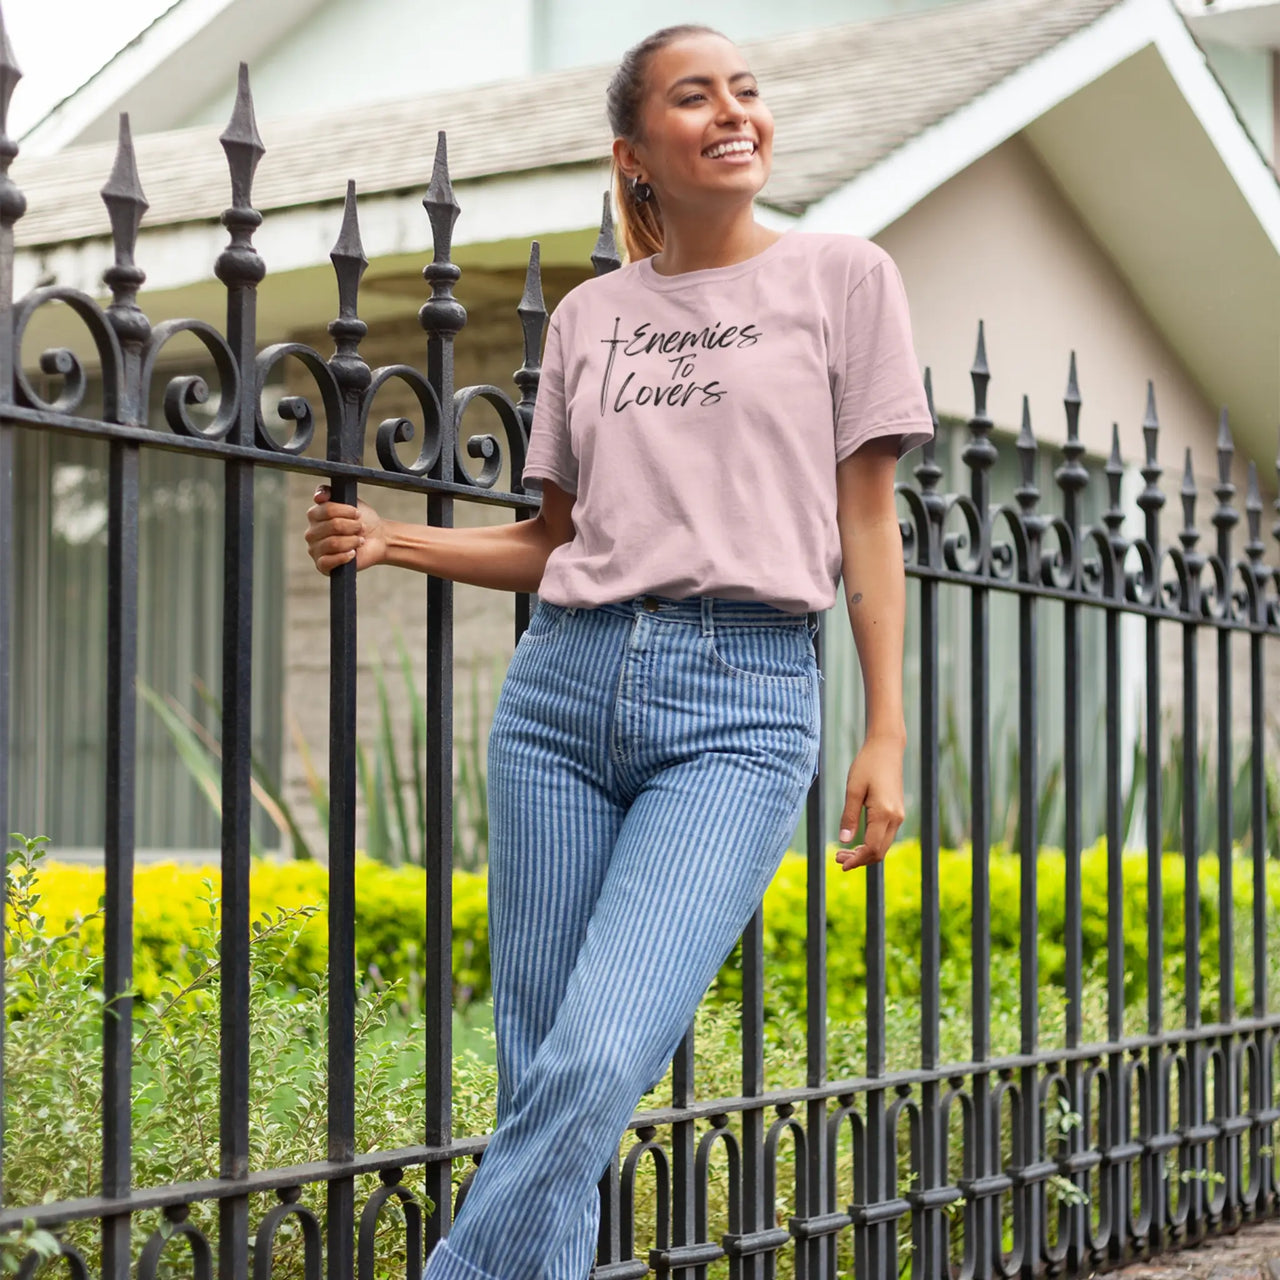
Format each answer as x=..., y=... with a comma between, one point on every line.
x=726, y=148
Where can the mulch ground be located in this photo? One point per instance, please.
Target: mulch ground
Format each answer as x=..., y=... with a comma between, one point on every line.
x=1252, y=1253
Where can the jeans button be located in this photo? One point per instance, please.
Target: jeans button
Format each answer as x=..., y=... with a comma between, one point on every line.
x=651, y=603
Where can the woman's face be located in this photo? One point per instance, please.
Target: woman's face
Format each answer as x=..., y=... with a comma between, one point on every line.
x=699, y=95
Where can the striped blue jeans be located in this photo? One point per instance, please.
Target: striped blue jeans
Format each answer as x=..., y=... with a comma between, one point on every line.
x=647, y=767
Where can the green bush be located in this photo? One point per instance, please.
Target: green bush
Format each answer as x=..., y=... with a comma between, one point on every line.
x=52, y=1103
x=391, y=922
x=785, y=927
x=54, y=1013
x=391, y=910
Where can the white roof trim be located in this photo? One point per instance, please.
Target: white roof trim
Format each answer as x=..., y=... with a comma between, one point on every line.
x=1248, y=24
x=522, y=205
x=883, y=193
x=175, y=27
x=1217, y=117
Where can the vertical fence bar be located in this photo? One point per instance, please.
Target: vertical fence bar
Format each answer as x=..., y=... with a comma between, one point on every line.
x=751, y=1266
x=1192, y=1096
x=1029, y=1199
x=1112, y=1179
x=880, y=1147
x=1255, y=551
x=816, y=1251
x=118, y=847
x=122, y=403
x=344, y=445
x=532, y=311
x=932, y=1237
x=241, y=269
x=442, y=317
x=1224, y=519
x=979, y=456
x=1072, y=479
x=12, y=206
x=1155, y=1193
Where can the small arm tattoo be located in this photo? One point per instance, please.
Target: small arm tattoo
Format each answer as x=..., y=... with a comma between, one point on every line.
x=856, y=598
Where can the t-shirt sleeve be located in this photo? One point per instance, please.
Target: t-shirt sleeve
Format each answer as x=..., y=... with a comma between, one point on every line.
x=878, y=387
x=550, y=455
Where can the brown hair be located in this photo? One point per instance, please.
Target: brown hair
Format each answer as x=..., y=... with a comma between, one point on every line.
x=640, y=222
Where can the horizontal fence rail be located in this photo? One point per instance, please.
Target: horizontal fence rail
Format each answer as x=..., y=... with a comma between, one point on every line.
x=954, y=1168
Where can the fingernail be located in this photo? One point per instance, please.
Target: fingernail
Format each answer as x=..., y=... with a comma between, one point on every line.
x=845, y=833
x=362, y=542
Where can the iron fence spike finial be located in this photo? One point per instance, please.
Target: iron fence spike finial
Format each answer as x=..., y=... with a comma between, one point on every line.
x=1025, y=438
x=1026, y=443
x=442, y=209
x=1275, y=528
x=349, y=369
x=10, y=74
x=1027, y=493
x=13, y=204
x=930, y=445
x=926, y=471
x=1114, y=471
x=1225, y=516
x=124, y=197
x=980, y=374
x=126, y=204
x=1150, y=424
x=1188, y=494
x=980, y=355
x=604, y=257
x=1226, y=447
x=531, y=300
x=347, y=256
x=241, y=143
x=1071, y=401
x=532, y=311
x=1253, y=515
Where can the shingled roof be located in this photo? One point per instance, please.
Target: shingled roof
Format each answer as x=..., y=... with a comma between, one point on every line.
x=843, y=98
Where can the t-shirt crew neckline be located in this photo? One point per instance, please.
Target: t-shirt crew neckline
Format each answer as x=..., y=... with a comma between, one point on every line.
x=653, y=279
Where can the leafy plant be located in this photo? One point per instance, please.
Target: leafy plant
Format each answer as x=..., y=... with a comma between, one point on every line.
x=54, y=1014
x=201, y=752
x=54, y=1080
x=395, y=827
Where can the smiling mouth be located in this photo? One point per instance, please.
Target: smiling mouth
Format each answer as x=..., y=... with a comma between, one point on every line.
x=740, y=151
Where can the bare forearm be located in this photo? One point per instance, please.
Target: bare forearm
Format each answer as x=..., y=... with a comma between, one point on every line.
x=509, y=557
x=876, y=594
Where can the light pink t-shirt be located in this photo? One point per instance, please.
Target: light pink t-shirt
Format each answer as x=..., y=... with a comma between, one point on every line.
x=699, y=419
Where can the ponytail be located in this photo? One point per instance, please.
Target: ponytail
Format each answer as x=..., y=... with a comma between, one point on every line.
x=640, y=222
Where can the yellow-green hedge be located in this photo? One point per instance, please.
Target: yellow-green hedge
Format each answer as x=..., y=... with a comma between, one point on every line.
x=391, y=919
x=170, y=904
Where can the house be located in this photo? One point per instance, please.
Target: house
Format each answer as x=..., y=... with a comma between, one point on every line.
x=1095, y=176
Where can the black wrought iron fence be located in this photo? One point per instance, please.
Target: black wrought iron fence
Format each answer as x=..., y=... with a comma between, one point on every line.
x=951, y=1164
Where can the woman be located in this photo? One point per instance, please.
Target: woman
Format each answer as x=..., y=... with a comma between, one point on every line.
x=715, y=434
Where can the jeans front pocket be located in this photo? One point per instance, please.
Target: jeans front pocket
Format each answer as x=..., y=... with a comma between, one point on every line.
x=772, y=653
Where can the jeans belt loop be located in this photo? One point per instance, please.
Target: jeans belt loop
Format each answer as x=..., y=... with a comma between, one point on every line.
x=708, y=624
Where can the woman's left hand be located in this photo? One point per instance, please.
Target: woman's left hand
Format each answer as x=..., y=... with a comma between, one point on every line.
x=874, y=784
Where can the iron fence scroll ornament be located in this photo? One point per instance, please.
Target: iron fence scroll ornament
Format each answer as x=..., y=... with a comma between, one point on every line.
x=959, y=1158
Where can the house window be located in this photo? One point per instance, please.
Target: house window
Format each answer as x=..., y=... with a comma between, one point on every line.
x=57, y=761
